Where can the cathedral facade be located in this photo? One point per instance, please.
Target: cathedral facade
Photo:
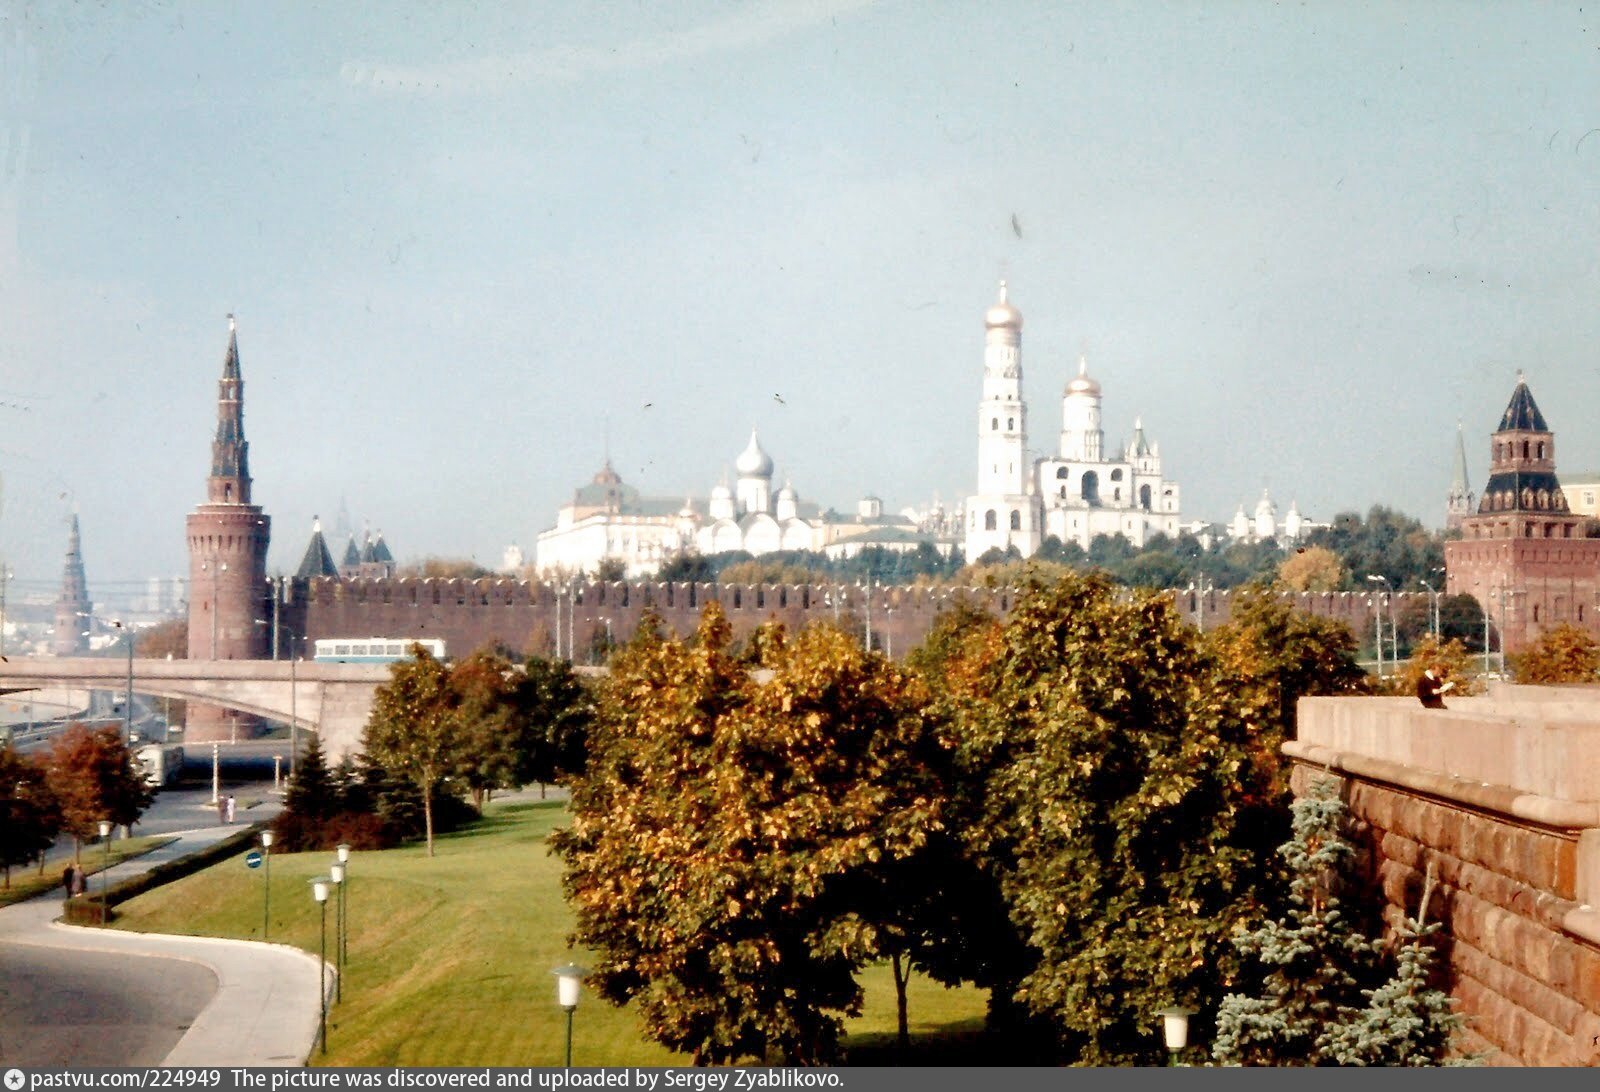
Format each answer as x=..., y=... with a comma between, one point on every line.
x=1080, y=491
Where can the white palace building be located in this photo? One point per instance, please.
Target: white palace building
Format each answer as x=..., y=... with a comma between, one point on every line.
x=1078, y=493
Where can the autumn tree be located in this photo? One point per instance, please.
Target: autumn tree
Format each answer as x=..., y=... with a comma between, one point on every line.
x=414, y=730
x=731, y=845
x=1450, y=661
x=169, y=639
x=30, y=818
x=94, y=778
x=1565, y=654
x=1313, y=569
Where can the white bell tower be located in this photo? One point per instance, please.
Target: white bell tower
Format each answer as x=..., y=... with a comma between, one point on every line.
x=1004, y=510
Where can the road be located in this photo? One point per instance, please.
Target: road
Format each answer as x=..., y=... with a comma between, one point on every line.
x=69, y=1008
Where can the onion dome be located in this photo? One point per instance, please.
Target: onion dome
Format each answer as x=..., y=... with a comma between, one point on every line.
x=1081, y=383
x=721, y=492
x=607, y=476
x=1002, y=313
x=752, y=461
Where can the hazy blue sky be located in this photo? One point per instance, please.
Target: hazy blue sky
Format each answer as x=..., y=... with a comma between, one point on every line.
x=462, y=240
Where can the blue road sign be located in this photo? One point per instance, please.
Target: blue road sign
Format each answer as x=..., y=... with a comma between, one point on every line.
x=253, y=858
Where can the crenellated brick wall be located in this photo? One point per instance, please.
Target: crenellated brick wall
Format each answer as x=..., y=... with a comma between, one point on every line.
x=467, y=614
x=1501, y=796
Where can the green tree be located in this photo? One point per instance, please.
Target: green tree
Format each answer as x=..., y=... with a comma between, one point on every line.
x=1112, y=769
x=311, y=793
x=94, y=777
x=484, y=687
x=1565, y=654
x=414, y=730
x=30, y=817
x=1329, y=996
x=555, y=710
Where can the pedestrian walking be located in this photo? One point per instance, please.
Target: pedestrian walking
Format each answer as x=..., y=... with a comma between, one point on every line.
x=80, y=881
x=69, y=879
x=230, y=809
x=222, y=809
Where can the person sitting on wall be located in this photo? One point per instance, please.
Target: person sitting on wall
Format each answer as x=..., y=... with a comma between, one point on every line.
x=1430, y=690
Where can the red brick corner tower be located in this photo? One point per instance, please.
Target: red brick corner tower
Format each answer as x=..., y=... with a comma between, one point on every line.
x=1524, y=555
x=228, y=538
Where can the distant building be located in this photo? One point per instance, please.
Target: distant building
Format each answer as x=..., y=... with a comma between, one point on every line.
x=609, y=519
x=1458, y=502
x=1263, y=524
x=1083, y=490
x=1524, y=554
x=1583, y=494
x=72, y=605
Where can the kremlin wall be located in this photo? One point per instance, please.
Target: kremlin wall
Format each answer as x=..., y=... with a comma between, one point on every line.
x=529, y=617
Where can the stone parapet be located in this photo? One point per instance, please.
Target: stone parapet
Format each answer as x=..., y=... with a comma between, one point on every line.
x=1499, y=797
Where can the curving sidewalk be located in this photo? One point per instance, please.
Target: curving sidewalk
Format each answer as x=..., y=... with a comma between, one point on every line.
x=266, y=1010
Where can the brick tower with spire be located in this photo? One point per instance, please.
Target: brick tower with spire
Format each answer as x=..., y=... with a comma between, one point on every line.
x=1524, y=554
x=228, y=538
x=1458, y=503
x=72, y=605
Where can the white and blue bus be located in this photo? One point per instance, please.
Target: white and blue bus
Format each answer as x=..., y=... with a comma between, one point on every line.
x=372, y=650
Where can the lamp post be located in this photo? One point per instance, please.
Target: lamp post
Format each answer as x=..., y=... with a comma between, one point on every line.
x=216, y=774
x=1201, y=588
x=336, y=874
x=1377, y=614
x=266, y=884
x=277, y=772
x=569, y=977
x=127, y=712
x=343, y=853
x=105, y=873
x=1175, y=1029
x=319, y=891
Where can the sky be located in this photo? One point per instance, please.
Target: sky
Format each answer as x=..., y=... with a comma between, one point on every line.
x=475, y=248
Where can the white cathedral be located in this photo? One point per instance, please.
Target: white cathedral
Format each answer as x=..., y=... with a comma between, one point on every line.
x=1081, y=491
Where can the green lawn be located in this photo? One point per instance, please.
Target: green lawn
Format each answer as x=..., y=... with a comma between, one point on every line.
x=27, y=882
x=450, y=957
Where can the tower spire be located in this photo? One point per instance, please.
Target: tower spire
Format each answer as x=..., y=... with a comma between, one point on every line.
x=229, y=482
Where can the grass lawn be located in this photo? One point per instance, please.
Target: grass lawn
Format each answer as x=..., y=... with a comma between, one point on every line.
x=27, y=882
x=450, y=957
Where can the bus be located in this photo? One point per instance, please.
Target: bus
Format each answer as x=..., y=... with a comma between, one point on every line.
x=372, y=650
x=162, y=763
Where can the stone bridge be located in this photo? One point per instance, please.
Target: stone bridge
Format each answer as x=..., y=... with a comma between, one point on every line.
x=1500, y=794
x=333, y=700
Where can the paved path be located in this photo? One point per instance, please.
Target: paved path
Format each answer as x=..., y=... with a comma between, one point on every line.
x=265, y=1010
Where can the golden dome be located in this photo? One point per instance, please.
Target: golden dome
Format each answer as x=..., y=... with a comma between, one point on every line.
x=1081, y=383
x=1002, y=313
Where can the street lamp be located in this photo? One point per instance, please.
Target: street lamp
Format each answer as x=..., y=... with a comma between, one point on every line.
x=216, y=774
x=127, y=717
x=343, y=852
x=1377, y=614
x=336, y=874
x=319, y=891
x=1175, y=1027
x=105, y=873
x=569, y=978
x=1201, y=589
x=266, y=884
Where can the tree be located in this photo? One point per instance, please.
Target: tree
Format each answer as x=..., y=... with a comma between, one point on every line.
x=414, y=731
x=169, y=638
x=30, y=818
x=311, y=793
x=1313, y=569
x=1325, y=998
x=1449, y=660
x=611, y=569
x=731, y=842
x=484, y=687
x=94, y=778
x=688, y=568
x=1111, y=767
x=555, y=711
x=1565, y=654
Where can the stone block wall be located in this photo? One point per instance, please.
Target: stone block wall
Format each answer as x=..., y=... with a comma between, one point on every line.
x=1518, y=868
